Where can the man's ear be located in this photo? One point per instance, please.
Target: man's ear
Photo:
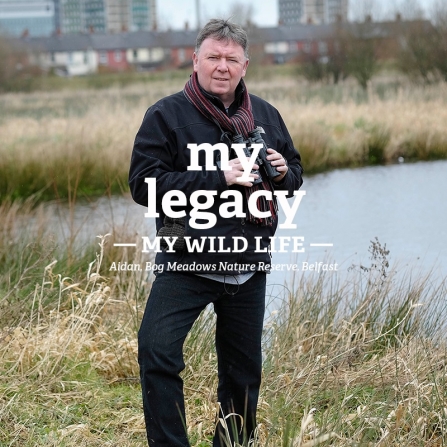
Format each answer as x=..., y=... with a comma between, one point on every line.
x=244, y=70
x=195, y=60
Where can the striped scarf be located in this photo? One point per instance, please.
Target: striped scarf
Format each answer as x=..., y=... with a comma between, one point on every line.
x=240, y=123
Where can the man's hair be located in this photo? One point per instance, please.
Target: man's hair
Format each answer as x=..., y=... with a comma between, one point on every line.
x=220, y=29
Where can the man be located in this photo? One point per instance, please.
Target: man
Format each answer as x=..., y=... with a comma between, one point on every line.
x=213, y=107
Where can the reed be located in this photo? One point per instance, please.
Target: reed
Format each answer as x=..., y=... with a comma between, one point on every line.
x=355, y=360
x=359, y=360
x=70, y=144
x=35, y=236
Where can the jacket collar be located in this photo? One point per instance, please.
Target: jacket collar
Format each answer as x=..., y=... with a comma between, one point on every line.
x=240, y=89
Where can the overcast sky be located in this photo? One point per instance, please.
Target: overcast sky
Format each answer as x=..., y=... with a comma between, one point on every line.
x=174, y=13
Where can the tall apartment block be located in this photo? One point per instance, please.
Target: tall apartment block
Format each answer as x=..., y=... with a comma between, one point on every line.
x=143, y=15
x=45, y=17
x=130, y=15
x=312, y=11
x=34, y=17
x=106, y=15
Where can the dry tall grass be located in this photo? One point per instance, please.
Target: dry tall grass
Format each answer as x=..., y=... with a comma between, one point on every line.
x=355, y=362
x=343, y=134
x=79, y=143
x=361, y=362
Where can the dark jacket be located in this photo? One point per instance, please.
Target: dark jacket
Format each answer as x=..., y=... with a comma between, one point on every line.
x=160, y=151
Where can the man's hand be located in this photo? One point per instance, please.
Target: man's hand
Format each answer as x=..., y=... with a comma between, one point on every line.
x=279, y=162
x=237, y=171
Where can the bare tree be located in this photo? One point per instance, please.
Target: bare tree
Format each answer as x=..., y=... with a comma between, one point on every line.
x=438, y=12
x=424, y=47
x=7, y=68
x=18, y=65
x=237, y=12
x=337, y=65
x=362, y=63
x=366, y=8
x=441, y=39
x=351, y=52
x=242, y=14
x=314, y=68
x=333, y=64
x=361, y=59
x=408, y=10
x=417, y=57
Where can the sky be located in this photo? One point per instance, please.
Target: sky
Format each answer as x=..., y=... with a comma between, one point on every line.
x=174, y=13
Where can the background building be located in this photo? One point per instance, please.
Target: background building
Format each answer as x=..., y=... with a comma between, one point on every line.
x=33, y=17
x=142, y=15
x=312, y=11
x=95, y=16
x=105, y=15
x=46, y=17
x=335, y=10
x=117, y=15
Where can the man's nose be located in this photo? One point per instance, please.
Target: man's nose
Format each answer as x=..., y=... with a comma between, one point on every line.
x=222, y=64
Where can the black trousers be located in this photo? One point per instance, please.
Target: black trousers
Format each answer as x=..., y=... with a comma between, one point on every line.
x=175, y=302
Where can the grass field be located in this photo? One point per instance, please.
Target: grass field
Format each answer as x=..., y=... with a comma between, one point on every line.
x=78, y=142
x=361, y=362
x=352, y=361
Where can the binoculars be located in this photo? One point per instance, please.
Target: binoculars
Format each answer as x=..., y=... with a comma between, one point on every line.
x=261, y=160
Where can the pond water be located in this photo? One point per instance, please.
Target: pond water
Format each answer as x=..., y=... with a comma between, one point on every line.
x=404, y=206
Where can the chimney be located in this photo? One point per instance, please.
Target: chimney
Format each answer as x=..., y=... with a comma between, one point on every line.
x=368, y=18
x=398, y=17
x=186, y=25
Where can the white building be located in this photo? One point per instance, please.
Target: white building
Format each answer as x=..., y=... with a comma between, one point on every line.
x=32, y=17
x=312, y=11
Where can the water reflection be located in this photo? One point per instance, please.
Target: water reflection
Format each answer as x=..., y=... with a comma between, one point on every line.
x=404, y=206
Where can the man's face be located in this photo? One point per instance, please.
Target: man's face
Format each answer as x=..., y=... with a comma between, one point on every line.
x=220, y=65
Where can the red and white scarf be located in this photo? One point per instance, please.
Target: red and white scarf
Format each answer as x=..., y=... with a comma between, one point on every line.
x=240, y=123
